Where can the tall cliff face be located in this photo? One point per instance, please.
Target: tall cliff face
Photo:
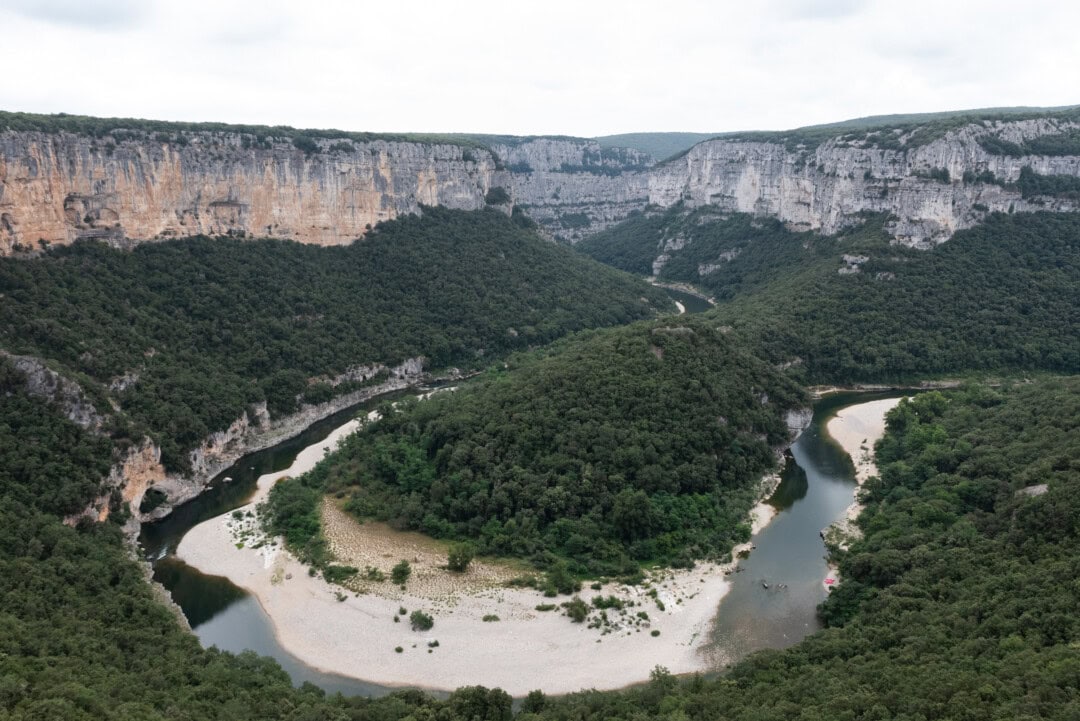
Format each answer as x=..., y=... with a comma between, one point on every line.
x=62, y=187
x=133, y=186
x=931, y=190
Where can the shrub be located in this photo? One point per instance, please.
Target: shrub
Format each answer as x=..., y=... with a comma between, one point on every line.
x=421, y=621
x=497, y=196
x=488, y=618
x=459, y=556
x=337, y=574
x=655, y=632
x=398, y=649
x=543, y=607
x=576, y=609
x=400, y=573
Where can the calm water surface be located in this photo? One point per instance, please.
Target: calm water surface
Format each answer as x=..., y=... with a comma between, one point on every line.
x=789, y=555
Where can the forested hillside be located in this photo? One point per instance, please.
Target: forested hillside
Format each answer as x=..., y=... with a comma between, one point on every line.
x=851, y=307
x=194, y=331
x=610, y=448
x=959, y=603
x=82, y=635
x=961, y=600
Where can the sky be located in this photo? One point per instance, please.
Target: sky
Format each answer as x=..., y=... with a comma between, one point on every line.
x=522, y=67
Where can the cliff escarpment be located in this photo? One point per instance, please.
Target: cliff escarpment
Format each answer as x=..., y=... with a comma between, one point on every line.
x=60, y=187
x=128, y=186
x=930, y=189
x=61, y=180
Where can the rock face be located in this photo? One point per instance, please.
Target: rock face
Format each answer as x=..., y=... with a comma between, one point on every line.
x=58, y=188
x=139, y=468
x=931, y=190
x=45, y=383
x=62, y=187
x=133, y=186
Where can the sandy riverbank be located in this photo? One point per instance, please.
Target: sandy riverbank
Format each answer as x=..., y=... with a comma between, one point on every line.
x=353, y=633
x=856, y=429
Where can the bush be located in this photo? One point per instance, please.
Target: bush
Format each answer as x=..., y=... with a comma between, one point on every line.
x=421, y=621
x=400, y=573
x=497, y=196
x=576, y=609
x=459, y=556
x=489, y=618
x=337, y=574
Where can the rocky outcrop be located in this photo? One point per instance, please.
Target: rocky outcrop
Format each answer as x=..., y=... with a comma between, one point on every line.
x=139, y=470
x=929, y=190
x=45, y=383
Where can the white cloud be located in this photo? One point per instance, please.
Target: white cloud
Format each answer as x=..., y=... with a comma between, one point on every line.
x=579, y=68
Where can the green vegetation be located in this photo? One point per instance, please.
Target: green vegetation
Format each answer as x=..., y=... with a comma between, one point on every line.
x=897, y=132
x=83, y=634
x=999, y=296
x=576, y=609
x=421, y=621
x=658, y=145
x=400, y=573
x=211, y=327
x=608, y=449
x=1065, y=143
x=1032, y=184
x=460, y=556
x=176, y=132
x=497, y=196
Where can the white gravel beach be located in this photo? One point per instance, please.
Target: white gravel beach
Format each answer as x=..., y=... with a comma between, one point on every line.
x=856, y=429
x=353, y=632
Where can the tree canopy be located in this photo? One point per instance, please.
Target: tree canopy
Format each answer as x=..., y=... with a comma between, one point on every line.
x=204, y=327
x=610, y=448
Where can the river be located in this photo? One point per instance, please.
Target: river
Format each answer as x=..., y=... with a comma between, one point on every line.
x=789, y=555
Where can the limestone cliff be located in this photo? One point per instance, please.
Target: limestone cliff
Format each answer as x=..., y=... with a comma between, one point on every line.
x=62, y=187
x=134, y=186
x=131, y=185
x=930, y=189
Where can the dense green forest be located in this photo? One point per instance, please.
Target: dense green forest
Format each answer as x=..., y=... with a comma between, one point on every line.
x=82, y=635
x=959, y=603
x=894, y=132
x=1000, y=296
x=212, y=325
x=610, y=448
x=174, y=132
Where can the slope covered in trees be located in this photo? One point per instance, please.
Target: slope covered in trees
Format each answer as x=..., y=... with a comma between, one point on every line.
x=610, y=448
x=959, y=603
x=851, y=307
x=83, y=637
x=209, y=326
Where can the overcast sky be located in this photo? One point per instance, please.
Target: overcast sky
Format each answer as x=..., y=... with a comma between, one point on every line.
x=523, y=67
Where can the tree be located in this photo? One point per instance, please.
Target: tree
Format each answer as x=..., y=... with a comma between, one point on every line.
x=400, y=573
x=460, y=556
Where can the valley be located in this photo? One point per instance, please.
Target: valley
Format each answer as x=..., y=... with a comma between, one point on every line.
x=476, y=426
